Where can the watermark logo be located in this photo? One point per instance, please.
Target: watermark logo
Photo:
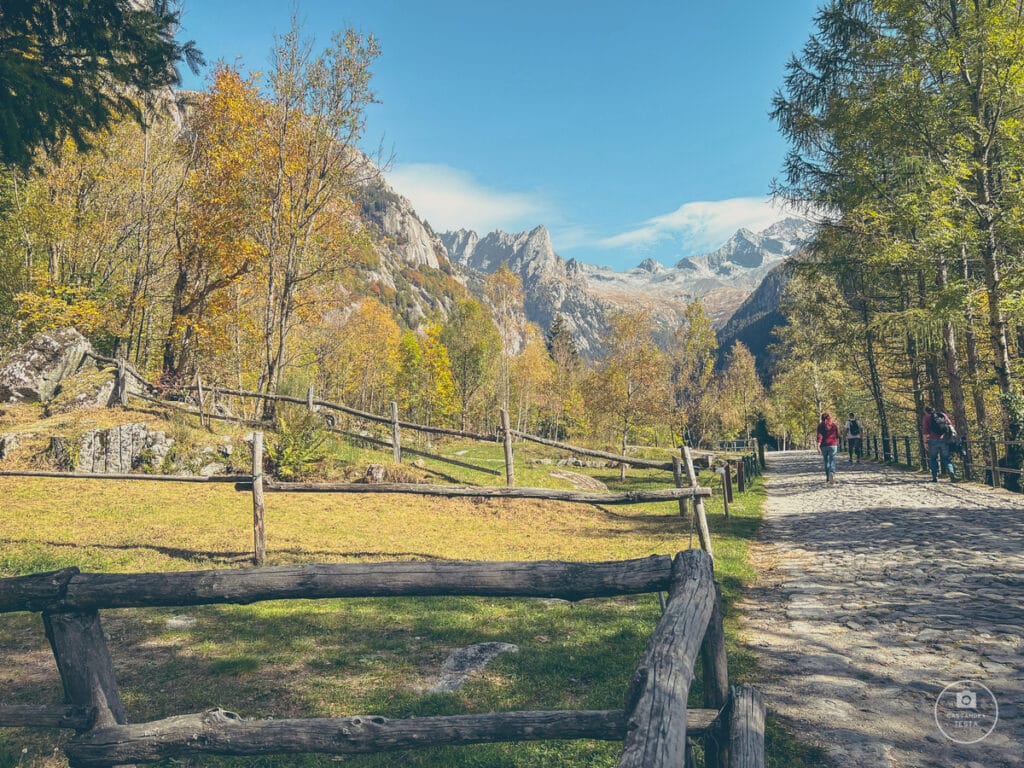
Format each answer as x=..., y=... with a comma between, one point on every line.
x=966, y=712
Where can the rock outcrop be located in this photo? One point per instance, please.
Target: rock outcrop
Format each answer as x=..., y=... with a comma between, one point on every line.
x=121, y=450
x=35, y=372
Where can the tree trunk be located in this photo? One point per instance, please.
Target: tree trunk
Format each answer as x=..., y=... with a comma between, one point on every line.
x=875, y=382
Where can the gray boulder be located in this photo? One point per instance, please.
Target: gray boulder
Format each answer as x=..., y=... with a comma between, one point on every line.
x=34, y=372
x=8, y=443
x=121, y=450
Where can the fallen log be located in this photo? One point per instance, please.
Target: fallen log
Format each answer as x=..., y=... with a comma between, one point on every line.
x=217, y=732
x=548, y=579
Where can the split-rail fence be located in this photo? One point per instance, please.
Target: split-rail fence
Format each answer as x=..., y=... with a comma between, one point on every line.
x=656, y=726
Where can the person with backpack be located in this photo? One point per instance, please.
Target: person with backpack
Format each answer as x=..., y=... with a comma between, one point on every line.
x=828, y=445
x=854, y=438
x=939, y=434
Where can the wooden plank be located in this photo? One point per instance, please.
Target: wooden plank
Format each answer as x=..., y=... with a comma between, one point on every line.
x=416, y=452
x=656, y=736
x=83, y=661
x=259, y=533
x=618, y=458
x=551, y=578
x=217, y=732
x=493, y=492
x=55, y=716
x=150, y=478
x=746, y=728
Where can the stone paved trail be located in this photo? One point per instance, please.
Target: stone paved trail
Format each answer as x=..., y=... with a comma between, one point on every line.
x=875, y=594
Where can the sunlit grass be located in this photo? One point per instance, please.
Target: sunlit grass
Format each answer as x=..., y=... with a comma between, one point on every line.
x=343, y=657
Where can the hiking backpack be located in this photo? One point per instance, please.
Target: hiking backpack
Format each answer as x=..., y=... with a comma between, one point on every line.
x=854, y=428
x=941, y=425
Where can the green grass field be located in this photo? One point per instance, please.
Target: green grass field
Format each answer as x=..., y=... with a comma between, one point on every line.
x=345, y=657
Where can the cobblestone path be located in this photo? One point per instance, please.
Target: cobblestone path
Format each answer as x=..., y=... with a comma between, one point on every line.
x=875, y=594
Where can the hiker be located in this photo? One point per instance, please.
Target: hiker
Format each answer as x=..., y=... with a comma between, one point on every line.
x=854, y=437
x=828, y=445
x=939, y=435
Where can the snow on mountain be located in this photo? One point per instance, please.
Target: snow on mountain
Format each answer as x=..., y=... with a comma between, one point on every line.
x=586, y=295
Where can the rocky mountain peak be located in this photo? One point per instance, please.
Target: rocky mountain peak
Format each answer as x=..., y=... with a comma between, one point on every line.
x=650, y=265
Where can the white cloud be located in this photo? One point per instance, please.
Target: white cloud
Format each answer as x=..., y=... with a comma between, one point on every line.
x=451, y=199
x=700, y=226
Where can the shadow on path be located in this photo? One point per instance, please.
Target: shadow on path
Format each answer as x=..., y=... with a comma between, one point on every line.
x=875, y=594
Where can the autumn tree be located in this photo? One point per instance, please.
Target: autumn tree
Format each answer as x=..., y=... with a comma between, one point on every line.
x=532, y=373
x=305, y=224
x=473, y=344
x=216, y=243
x=504, y=293
x=692, y=354
x=565, y=394
x=358, y=357
x=630, y=386
x=742, y=393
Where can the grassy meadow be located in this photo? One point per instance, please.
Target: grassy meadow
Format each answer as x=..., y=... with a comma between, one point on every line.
x=335, y=658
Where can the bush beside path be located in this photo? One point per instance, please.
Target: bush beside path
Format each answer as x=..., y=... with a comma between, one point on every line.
x=875, y=594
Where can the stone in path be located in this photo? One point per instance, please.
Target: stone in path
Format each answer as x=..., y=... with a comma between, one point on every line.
x=875, y=594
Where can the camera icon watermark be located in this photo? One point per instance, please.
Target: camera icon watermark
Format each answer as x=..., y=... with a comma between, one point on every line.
x=966, y=711
x=966, y=700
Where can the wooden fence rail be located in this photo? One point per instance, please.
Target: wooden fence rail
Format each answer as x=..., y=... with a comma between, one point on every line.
x=654, y=727
x=980, y=460
x=392, y=420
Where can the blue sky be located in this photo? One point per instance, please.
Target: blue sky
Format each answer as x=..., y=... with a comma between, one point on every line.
x=629, y=129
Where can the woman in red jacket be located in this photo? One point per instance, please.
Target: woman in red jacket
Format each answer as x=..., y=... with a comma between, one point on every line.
x=828, y=445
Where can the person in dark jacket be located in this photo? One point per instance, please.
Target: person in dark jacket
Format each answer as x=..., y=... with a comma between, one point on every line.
x=828, y=445
x=939, y=434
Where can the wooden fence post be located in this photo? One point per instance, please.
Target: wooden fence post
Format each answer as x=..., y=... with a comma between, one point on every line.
x=258, y=530
x=715, y=667
x=703, y=532
x=396, y=436
x=906, y=445
x=997, y=481
x=656, y=709
x=677, y=473
x=506, y=428
x=83, y=661
x=746, y=728
x=741, y=475
x=759, y=444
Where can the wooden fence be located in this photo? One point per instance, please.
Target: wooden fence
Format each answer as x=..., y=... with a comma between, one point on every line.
x=656, y=726
x=204, y=411
x=985, y=460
